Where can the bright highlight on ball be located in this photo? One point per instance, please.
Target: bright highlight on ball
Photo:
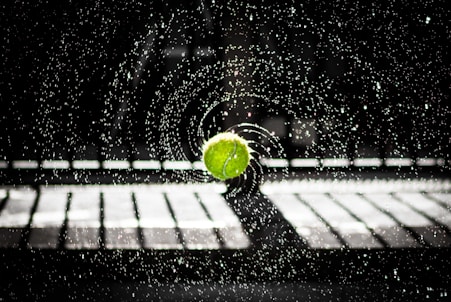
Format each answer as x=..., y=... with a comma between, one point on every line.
x=226, y=155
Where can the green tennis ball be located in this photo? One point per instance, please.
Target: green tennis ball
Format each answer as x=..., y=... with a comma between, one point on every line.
x=226, y=155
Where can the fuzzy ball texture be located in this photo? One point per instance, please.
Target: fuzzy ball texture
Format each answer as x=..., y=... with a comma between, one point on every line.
x=226, y=155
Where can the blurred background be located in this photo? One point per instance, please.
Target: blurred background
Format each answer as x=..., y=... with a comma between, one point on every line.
x=120, y=92
x=153, y=79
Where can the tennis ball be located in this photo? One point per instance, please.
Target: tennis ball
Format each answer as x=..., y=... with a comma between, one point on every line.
x=226, y=155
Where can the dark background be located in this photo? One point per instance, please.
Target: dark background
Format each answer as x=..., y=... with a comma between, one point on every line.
x=366, y=78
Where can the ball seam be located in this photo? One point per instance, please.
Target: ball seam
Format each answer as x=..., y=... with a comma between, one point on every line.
x=229, y=159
